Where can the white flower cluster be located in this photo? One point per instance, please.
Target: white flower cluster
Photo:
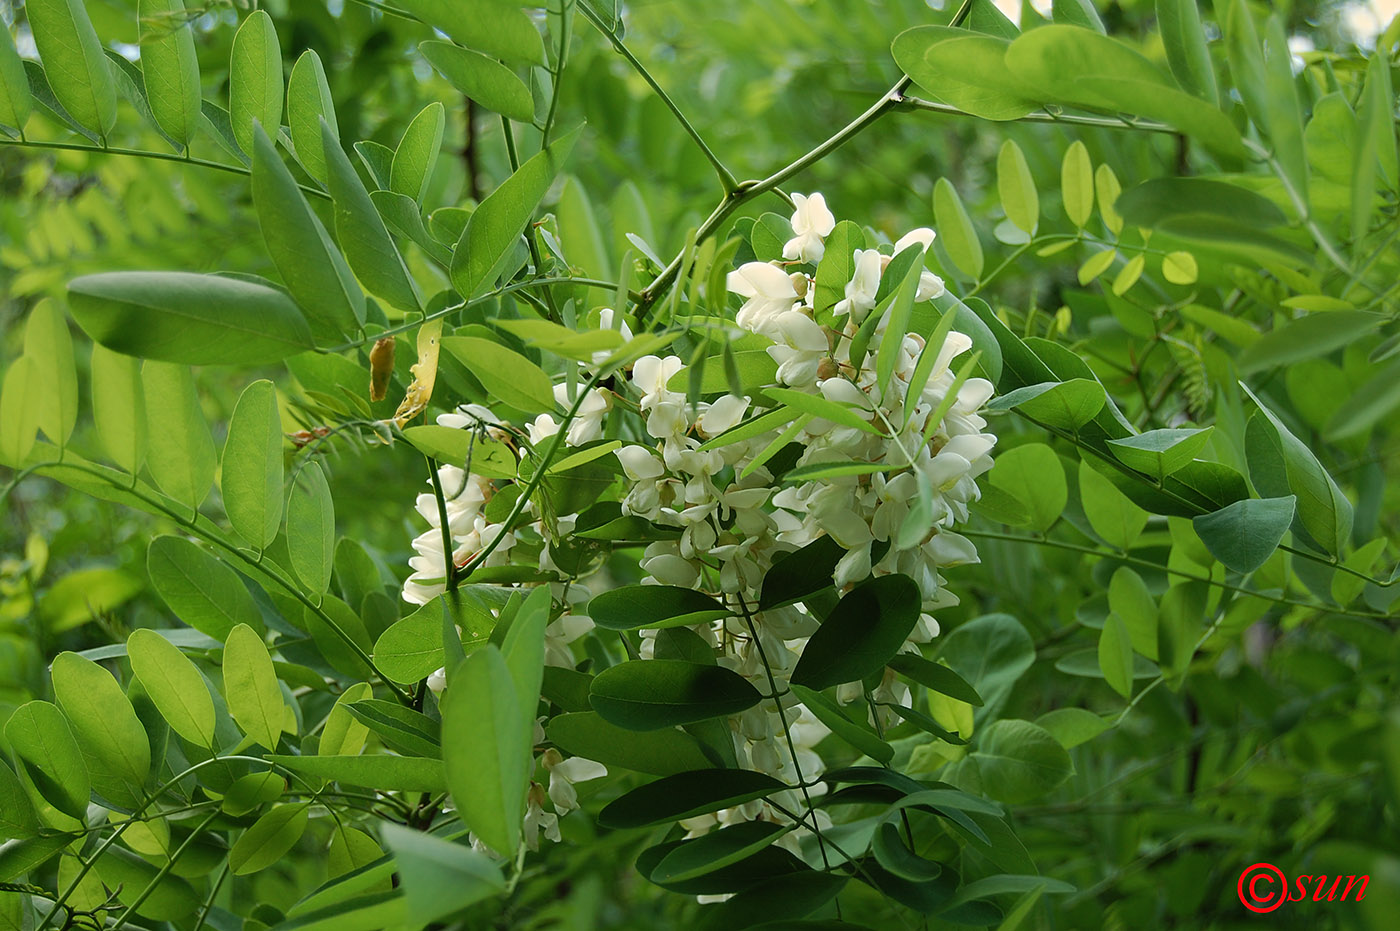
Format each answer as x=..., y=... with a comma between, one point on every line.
x=736, y=515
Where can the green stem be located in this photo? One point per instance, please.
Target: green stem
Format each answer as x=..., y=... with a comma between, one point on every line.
x=142, y=153
x=462, y=305
x=1148, y=564
x=162, y=873
x=1044, y=116
x=787, y=732
x=209, y=900
x=748, y=190
x=726, y=177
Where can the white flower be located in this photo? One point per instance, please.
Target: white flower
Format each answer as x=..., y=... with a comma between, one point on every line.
x=811, y=221
x=438, y=681
x=606, y=318
x=564, y=773
x=769, y=291
x=587, y=424
x=863, y=286
x=537, y=819
x=639, y=463
x=723, y=414
x=541, y=429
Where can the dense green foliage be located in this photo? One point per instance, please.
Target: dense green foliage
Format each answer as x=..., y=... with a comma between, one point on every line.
x=257, y=261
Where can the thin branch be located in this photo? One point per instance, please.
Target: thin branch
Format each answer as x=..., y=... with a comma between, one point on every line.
x=143, y=153
x=726, y=177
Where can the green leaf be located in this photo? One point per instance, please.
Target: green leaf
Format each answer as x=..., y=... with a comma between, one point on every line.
x=1072, y=726
x=417, y=153
x=956, y=234
x=309, y=101
x=962, y=69
x=1369, y=404
x=368, y=247
x=74, y=62
x=377, y=771
x=865, y=629
x=1179, y=268
x=174, y=685
x=1071, y=65
x=1116, y=655
x=105, y=725
x=311, y=528
x=450, y=445
x=484, y=750
x=1324, y=512
x=1129, y=599
x=20, y=398
x=269, y=839
x=202, y=590
x=715, y=850
x=402, y=729
x=182, y=459
x=1031, y=474
x=43, y=745
x=311, y=266
x=484, y=80
x=170, y=67
x=255, y=79
x=1095, y=265
x=686, y=795
x=1185, y=40
x=897, y=322
x=1077, y=184
x=498, y=28
x=936, y=676
x=1016, y=187
x=1159, y=453
x=192, y=319
x=644, y=695
x=439, y=877
x=48, y=343
x=1373, y=149
x=852, y=732
x=1077, y=13
x=343, y=735
x=251, y=476
x=523, y=651
x=1245, y=534
x=836, y=267
x=412, y=648
x=1111, y=513
x=1018, y=761
x=990, y=652
x=1066, y=405
x=507, y=375
x=15, y=100
x=250, y=687
x=1128, y=275
x=819, y=406
x=17, y=818
x=1306, y=338
x=251, y=792
x=494, y=227
x=119, y=407
x=632, y=607
x=891, y=853
x=660, y=752
x=84, y=594
x=787, y=896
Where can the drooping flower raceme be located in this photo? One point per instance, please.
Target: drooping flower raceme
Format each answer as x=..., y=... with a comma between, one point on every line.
x=887, y=480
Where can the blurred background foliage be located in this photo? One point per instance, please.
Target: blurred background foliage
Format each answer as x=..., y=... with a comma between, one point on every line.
x=1284, y=742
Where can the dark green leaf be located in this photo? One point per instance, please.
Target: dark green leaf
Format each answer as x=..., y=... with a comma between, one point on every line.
x=936, y=676
x=648, y=694
x=867, y=627
x=686, y=795
x=269, y=839
x=311, y=528
x=251, y=474
x=484, y=750
x=853, y=733
x=632, y=607
x=660, y=752
x=202, y=591
x=43, y=744
x=440, y=877
x=1245, y=534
